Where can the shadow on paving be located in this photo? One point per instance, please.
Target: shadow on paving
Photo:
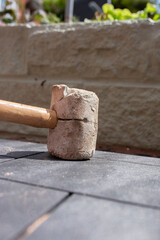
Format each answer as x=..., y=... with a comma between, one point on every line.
x=4, y=157
x=19, y=154
x=37, y=156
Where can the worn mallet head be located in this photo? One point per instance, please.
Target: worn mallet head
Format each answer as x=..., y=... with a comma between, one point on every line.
x=72, y=119
x=75, y=134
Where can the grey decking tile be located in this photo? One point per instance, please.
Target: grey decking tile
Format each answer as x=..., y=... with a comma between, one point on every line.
x=125, y=181
x=94, y=219
x=18, y=149
x=21, y=204
x=102, y=155
x=5, y=159
x=127, y=158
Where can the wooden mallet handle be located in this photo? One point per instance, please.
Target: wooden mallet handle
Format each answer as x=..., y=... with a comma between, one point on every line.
x=28, y=115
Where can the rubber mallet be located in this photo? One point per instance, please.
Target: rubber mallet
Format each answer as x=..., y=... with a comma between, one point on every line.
x=72, y=121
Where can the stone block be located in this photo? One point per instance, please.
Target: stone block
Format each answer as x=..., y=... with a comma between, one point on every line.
x=125, y=51
x=128, y=115
x=13, y=40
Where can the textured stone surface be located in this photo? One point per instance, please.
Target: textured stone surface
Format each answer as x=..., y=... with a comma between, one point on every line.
x=106, y=176
x=13, y=50
x=17, y=149
x=152, y=161
x=75, y=134
x=20, y=205
x=5, y=159
x=75, y=104
x=119, y=50
x=129, y=115
x=95, y=219
x=113, y=195
x=73, y=140
x=119, y=61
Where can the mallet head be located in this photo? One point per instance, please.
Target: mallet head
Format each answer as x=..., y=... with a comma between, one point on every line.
x=75, y=135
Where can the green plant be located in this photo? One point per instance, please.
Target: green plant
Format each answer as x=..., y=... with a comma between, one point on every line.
x=56, y=7
x=111, y=13
x=132, y=5
x=53, y=18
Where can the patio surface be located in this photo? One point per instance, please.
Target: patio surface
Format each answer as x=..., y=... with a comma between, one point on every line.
x=112, y=196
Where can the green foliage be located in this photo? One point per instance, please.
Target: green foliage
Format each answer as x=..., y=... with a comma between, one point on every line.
x=156, y=17
x=110, y=13
x=56, y=7
x=150, y=8
x=39, y=16
x=132, y=5
x=53, y=18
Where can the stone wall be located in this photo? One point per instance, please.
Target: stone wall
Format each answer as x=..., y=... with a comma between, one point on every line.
x=120, y=61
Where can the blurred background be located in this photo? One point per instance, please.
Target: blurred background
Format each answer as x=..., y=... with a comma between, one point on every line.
x=55, y=11
x=86, y=8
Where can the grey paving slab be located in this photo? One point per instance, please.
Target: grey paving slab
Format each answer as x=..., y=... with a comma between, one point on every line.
x=101, y=155
x=94, y=219
x=128, y=158
x=18, y=149
x=5, y=159
x=21, y=204
x=100, y=176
